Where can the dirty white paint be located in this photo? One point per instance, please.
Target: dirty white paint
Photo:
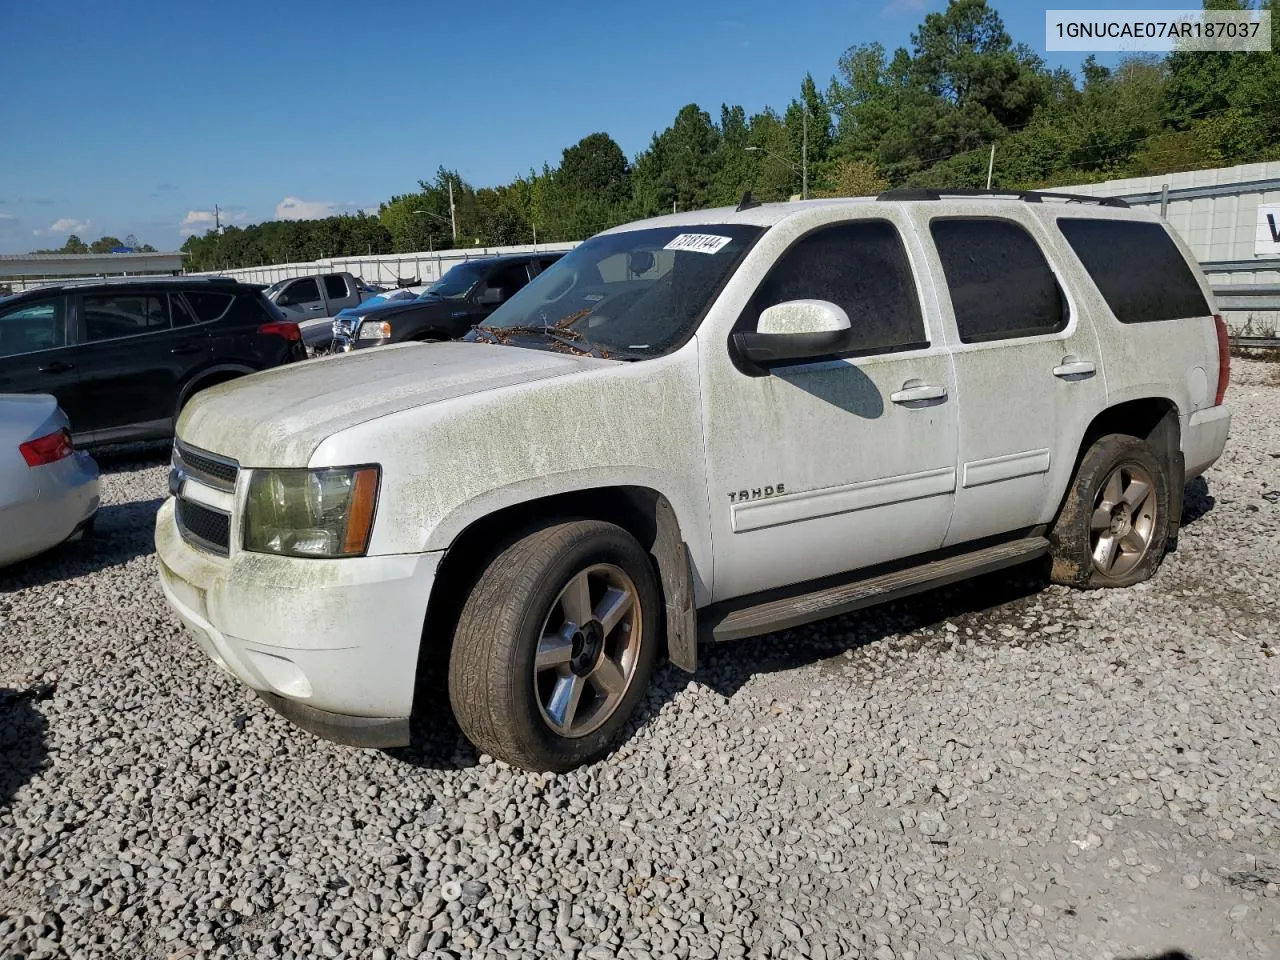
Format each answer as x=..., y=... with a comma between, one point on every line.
x=809, y=471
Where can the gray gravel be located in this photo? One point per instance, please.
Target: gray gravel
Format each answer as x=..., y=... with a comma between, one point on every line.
x=996, y=770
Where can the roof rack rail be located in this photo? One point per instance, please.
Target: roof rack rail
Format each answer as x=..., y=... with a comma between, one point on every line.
x=1029, y=196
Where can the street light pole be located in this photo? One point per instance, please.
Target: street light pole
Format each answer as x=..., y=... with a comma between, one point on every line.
x=804, y=154
x=453, y=222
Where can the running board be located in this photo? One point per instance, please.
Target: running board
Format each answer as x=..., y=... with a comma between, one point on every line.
x=774, y=615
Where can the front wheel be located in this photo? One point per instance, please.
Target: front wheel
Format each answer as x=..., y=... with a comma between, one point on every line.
x=555, y=646
x=1115, y=522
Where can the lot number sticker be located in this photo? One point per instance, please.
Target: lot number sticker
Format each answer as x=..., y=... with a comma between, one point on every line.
x=697, y=242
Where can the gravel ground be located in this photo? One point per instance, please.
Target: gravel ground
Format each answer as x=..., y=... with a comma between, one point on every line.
x=1001, y=769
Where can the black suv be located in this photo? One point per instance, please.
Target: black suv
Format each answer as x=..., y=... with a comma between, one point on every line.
x=450, y=307
x=123, y=356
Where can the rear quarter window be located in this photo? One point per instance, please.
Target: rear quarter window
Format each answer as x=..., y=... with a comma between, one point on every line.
x=209, y=306
x=1137, y=268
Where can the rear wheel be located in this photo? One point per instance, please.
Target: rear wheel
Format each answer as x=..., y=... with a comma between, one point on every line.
x=555, y=646
x=1115, y=522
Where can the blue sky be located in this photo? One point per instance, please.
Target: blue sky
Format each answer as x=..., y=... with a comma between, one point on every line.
x=138, y=116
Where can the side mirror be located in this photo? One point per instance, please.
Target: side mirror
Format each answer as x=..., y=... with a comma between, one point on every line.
x=490, y=296
x=795, y=330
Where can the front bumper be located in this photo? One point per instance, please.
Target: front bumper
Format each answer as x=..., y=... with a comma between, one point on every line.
x=332, y=644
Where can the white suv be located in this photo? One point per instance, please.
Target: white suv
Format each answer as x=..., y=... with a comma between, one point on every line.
x=698, y=427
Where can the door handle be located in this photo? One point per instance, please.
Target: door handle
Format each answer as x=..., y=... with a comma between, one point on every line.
x=57, y=366
x=186, y=348
x=316, y=309
x=917, y=391
x=1074, y=367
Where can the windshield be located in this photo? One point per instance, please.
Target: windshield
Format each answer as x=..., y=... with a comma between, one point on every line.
x=455, y=284
x=274, y=288
x=638, y=293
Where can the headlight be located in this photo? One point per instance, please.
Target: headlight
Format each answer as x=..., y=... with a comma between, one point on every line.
x=379, y=330
x=311, y=513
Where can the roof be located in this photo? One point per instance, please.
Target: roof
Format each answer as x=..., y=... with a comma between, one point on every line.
x=149, y=282
x=80, y=264
x=768, y=214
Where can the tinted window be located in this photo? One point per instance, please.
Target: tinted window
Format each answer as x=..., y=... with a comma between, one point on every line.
x=122, y=314
x=547, y=262
x=335, y=287
x=32, y=326
x=861, y=267
x=1137, y=268
x=1001, y=285
x=209, y=306
x=182, y=315
x=301, y=291
x=510, y=279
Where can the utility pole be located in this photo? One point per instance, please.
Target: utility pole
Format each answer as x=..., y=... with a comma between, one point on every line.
x=991, y=165
x=453, y=222
x=535, y=236
x=804, y=153
x=217, y=219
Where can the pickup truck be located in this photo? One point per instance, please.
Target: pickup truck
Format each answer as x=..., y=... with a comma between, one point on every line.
x=313, y=301
x=696, y=428
x=465, y=295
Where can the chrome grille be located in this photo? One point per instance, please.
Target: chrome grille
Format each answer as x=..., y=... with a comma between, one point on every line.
x=209, y=468
x=204, y=527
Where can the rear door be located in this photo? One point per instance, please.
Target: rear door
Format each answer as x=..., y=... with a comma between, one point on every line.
x=137, y=348
x=36, y=355
x=339, y=293
x=1028, y=370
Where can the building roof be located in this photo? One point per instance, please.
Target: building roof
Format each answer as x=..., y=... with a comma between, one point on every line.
x=87, y=264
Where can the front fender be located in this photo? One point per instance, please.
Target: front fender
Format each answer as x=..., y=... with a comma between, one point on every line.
x=691, y=523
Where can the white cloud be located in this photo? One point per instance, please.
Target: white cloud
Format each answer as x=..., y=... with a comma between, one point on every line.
x=291, y=208
x=7, y=216
x=199, y=221
x=896, y=7
x=65, y=226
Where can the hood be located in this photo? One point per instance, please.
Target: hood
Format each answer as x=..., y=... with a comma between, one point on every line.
x=278, y=417
x=385, y=308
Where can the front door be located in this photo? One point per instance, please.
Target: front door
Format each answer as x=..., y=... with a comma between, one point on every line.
x=1028, y=370
x=302, y=300
x=36, y=357
x=839, y=462
x=134, y=356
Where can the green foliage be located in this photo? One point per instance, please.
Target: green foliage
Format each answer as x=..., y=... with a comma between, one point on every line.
x=283, y=241
x=922, y=115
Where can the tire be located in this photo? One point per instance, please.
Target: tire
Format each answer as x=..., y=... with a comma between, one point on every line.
x=1114, y=525
x=506, y=704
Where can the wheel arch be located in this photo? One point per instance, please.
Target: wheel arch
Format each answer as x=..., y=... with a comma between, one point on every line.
x=1156, y=419
x=644, y=512
x=210, y=377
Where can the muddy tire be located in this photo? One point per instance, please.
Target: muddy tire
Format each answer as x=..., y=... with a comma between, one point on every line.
x=1114, y=524
x=555, y=646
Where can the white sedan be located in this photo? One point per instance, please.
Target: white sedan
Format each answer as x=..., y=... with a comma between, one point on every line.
x=48, y=489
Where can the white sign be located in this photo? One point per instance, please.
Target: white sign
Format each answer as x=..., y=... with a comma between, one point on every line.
x=697, y=242
x=1267, y=242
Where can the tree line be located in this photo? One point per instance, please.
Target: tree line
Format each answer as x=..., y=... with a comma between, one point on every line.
x=923, y=115
x=102, y=245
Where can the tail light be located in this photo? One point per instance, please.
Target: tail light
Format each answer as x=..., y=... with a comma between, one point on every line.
x=1224, y=358
x=284, y=328
x=50, y=448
